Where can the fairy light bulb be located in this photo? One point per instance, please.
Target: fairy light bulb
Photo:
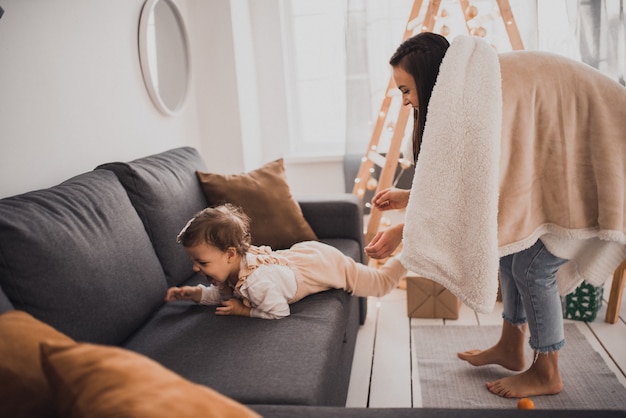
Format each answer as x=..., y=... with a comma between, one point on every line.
x=471, y=12
x=404, y=163
x=479, y=31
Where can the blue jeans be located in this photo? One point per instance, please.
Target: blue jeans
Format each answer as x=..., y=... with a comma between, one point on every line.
x=530, y=294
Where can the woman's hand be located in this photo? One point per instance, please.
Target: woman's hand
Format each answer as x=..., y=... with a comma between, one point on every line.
x=391, y=198
x=233, y=307
x=385, y=242
x=193, y=293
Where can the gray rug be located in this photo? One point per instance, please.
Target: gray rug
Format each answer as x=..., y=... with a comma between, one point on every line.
x=448, y=382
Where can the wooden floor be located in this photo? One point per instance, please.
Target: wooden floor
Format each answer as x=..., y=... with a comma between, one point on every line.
x=382, y=373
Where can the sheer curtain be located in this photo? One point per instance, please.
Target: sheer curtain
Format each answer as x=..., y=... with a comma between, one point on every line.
x=374, y=30
x=600, y=29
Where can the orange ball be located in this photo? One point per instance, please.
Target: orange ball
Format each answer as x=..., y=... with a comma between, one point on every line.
x=525, y=403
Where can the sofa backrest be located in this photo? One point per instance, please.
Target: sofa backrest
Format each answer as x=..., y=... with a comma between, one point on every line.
x=77, y=257
x=166, y=193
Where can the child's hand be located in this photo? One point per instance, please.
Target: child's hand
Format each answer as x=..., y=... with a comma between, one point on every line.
x=193, y=293
x=233, y=307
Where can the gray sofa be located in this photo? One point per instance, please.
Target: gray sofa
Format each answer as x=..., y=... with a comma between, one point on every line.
x=93, y=257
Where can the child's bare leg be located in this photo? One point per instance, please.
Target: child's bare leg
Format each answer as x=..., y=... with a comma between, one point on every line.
x=542, y=378
x=508, y=352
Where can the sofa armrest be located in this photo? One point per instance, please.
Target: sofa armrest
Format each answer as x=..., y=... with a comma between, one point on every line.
x=334, y=215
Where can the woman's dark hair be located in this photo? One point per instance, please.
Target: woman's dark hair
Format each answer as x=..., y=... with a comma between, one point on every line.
x=421, y=56
x=222, y=226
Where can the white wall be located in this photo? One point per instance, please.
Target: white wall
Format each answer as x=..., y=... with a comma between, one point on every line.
x=214, y=88
x=72, y=95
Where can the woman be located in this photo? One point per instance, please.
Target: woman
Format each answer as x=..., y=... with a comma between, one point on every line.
x=520, y=170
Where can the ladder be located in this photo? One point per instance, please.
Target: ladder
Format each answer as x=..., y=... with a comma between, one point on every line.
x=390, y=162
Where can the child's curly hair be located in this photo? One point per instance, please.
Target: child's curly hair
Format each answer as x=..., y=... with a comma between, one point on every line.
x=221, y=226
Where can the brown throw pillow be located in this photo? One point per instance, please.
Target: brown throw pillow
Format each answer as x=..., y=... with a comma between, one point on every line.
x=24, y=389
x=264, y=194
x=89, y=380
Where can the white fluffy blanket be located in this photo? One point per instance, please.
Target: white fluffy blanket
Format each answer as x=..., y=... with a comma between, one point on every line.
x=450, y=229
x=490, y=182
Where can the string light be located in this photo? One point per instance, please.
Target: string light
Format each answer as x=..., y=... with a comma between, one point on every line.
x=479, y=31
x=471, y=12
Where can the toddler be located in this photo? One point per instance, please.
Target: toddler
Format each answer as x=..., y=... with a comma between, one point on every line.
x=255, y=281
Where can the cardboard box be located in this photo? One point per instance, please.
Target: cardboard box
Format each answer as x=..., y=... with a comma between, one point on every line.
x=428, y=299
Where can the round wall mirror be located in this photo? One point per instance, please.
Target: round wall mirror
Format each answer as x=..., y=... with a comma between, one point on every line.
x=163, y=54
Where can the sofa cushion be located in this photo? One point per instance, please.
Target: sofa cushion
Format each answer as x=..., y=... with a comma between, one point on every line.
x=77, y=257
x=25, y=392
x=88, y=380
x=303, y=359
x=264, y=195
x=165, y=191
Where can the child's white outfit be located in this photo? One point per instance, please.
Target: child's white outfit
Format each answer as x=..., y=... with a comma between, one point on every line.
x=271, y=280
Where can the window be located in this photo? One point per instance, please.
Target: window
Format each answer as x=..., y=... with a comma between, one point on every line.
x=314, y=33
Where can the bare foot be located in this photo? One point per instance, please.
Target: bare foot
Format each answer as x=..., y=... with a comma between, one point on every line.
x=509, y=359
x=542, y=378
x=508, y=352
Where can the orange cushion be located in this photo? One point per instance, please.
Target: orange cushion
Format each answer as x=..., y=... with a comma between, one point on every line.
x=89, y=380
x=25, y=391
x=264, y=195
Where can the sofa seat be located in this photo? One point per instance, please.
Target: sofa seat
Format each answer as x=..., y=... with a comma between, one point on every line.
x=303, y=359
